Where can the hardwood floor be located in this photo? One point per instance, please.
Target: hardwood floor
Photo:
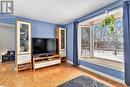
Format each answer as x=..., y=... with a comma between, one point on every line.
x=46, y=77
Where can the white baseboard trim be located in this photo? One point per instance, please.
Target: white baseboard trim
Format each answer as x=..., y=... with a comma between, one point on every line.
x=69, y=62
x=100, y=73
x=103, y=74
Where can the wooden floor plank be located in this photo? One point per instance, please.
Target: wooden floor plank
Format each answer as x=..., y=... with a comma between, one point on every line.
x=46, y=77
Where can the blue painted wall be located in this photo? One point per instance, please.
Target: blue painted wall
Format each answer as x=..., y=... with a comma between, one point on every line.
x=106, y=70
x=70, y=28
x=102, y=10
x=9, y=19
x=40, y=29
x=47, y=30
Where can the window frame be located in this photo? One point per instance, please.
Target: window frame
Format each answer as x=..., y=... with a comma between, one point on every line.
x=91, y=35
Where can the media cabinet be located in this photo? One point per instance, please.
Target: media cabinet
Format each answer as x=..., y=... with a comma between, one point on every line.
x=44, y=61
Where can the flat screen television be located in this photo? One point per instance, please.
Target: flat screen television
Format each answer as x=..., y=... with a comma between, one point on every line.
x=44, y=46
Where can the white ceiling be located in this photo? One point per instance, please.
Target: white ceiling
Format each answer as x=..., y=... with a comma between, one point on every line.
x=57, y=11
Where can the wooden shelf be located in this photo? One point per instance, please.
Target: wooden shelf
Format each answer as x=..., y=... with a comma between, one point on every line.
x=63, y=59
x=24, y=66
x=47, y=57
x=45, y=61
x=40, y=62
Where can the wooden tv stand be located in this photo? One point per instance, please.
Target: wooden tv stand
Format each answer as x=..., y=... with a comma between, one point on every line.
x=40, y=62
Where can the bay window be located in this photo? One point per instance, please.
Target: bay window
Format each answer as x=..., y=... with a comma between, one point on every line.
x=97, y=45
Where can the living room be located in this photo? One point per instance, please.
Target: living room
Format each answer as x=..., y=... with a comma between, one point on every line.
x=57, y=44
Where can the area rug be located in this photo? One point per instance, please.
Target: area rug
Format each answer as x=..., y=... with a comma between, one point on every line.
x=83, y=81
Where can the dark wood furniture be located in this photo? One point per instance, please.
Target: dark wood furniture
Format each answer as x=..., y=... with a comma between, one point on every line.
x=10, y=56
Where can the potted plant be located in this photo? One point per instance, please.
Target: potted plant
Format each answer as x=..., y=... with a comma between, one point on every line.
x=109, y=21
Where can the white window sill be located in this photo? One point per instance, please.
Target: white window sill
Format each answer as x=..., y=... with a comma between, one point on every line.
x=105, y=63
x=114, y=58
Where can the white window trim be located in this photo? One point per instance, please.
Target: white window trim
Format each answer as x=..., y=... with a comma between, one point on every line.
x=92, y=37
x=79, y=41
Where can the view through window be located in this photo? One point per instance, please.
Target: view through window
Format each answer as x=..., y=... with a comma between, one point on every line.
x=106, y=45
x=98, y=43
x=85, y=41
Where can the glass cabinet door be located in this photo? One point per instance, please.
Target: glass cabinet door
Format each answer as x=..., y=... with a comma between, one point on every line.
x=24, y=46
x=63, y=39
x=23, y=37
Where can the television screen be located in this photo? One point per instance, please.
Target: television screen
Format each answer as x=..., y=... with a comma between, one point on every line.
x=43, y=46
